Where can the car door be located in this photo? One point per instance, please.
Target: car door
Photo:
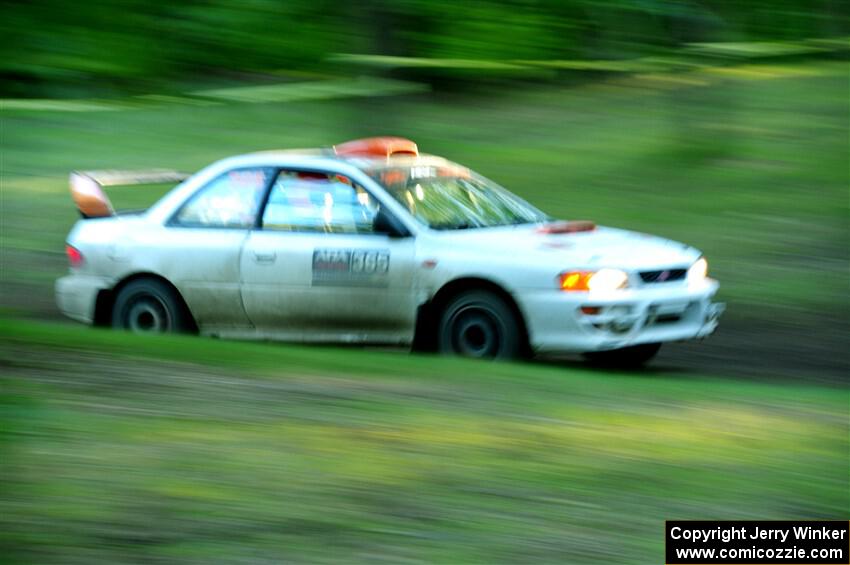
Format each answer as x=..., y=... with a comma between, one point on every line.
x=316, y=270
x=199, y=248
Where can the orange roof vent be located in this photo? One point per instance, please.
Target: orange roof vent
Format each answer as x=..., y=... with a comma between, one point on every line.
x=377, y=147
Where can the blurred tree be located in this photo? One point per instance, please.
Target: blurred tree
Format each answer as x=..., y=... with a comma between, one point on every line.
x=103, y=46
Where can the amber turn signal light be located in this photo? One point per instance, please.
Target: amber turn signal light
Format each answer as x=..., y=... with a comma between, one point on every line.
x=575, y=280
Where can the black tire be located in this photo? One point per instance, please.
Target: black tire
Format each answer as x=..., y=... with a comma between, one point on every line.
x=624, y=358
x=150, y=306
x=479, y=324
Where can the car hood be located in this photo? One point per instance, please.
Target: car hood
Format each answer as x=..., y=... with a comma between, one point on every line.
x=601, y=247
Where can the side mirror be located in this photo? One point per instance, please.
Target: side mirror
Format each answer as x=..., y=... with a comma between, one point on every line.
x=387, y=224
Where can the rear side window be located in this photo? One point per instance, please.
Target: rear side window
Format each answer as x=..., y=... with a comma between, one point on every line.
x=318, y=202
x=231, y=200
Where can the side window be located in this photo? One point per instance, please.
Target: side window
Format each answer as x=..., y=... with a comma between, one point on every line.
x=318, y=202
x=230, y=200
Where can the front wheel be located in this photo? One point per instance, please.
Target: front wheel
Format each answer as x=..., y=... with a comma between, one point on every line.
x=480, y=325
x=150, y=306
x=624, y=358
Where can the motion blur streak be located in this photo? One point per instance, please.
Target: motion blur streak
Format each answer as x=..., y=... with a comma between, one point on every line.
x=724, y=125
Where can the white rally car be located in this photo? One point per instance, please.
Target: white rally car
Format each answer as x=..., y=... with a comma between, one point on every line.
x=372, y=242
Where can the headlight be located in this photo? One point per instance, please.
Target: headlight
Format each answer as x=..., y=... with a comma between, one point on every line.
x=607, y=279
x=602, y=280
x=698, y=271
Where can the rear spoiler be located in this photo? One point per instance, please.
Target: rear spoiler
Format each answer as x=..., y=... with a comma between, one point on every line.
x=87, y=187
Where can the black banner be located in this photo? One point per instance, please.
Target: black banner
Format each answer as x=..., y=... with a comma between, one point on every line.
x=766, y=543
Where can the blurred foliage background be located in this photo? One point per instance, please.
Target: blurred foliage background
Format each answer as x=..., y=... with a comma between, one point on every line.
x=50, y=47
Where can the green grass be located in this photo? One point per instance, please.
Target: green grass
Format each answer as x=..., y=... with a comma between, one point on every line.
x=125, y=449
x=747, y=163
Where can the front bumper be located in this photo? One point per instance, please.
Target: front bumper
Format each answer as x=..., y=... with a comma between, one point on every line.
x=651, y=314
x=76, y=295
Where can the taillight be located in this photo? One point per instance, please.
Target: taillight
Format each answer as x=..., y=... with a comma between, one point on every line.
x=75, y=258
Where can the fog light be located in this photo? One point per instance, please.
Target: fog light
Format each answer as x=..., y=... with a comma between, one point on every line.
x=621, y=310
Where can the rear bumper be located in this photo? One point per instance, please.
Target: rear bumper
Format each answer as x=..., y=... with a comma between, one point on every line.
x=657, y=314
x=76, y=295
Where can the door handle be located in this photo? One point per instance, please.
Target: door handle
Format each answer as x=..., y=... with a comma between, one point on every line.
x=265, y=257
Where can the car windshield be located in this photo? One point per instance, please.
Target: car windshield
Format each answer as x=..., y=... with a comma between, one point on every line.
x=452, y=198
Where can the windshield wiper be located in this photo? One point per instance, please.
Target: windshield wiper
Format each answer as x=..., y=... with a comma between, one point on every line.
x=458, y=226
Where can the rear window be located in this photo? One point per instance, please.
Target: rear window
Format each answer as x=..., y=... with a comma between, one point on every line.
x=230, y=200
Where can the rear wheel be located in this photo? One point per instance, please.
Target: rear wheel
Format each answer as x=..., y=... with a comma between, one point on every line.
x=150, y=306
x=624, y=358
x=481, y=325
